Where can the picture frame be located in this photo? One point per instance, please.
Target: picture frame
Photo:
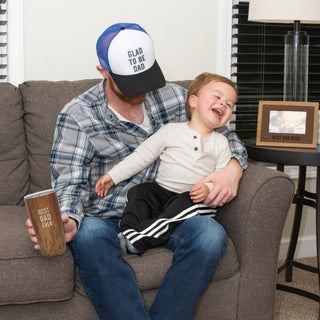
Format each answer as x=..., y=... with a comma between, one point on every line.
x=287, y=124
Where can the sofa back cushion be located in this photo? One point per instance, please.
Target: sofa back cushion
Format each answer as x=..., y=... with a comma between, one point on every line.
x=42, y=101
x=13, y=154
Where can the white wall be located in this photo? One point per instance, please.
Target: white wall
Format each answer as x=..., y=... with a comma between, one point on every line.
x=60, y=36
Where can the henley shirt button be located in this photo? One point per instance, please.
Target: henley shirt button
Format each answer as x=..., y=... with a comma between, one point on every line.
x=195, y=148
x=194, y=137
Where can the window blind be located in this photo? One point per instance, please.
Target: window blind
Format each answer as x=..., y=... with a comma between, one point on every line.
x=258, y=65
x=3, y=41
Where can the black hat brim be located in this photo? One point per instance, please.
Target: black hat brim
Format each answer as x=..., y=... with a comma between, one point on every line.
x=138, y=84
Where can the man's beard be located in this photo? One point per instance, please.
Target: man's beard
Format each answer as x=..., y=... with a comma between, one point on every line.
x=133, y=101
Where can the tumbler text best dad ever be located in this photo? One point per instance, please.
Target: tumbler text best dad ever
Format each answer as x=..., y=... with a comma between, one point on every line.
x=44, y=213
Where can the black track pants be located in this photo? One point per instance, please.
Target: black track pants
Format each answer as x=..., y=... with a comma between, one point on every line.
x=152, y=213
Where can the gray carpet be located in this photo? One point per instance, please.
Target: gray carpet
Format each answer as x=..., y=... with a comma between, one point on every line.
x=290, y=306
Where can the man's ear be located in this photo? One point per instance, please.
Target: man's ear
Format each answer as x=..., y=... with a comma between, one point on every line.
x=102, y=71
x=193, y=101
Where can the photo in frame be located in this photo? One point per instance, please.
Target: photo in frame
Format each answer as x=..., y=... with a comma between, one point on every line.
x=287, y=124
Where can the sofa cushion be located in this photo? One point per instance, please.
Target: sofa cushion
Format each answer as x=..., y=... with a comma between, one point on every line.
x=42, y=101
x=25, y=275
x=13, y=153
x=151, y=267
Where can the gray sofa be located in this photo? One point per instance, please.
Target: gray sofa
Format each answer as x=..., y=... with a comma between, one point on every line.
x=35, y=287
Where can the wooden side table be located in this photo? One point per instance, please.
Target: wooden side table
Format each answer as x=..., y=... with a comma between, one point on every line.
x=303, y=158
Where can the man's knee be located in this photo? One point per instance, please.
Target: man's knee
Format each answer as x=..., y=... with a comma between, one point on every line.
x=216, y=231
x=92, y=231
x=209, y=236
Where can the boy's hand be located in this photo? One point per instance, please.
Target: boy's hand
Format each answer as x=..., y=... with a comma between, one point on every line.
x=103, y=185
x=199, y=192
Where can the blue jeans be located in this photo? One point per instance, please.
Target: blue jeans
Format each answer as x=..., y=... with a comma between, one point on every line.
x=198, y=245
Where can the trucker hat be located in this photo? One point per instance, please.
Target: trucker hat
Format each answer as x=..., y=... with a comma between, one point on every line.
x=126, y=51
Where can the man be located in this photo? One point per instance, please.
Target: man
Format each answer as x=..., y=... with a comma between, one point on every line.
x=95, y=131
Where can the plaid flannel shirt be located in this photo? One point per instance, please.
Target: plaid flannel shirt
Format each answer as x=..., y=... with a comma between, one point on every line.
x=90, y=139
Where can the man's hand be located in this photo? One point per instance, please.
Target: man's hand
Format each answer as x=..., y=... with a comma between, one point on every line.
x=199, y=192
x=69, y=226
x=103, y=185
x=225, y=184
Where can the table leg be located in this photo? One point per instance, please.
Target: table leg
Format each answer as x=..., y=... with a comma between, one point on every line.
x=298, y=200
x=318, y=226
x=280, y=167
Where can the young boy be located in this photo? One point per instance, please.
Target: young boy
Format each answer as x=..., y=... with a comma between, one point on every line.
x=188, y=153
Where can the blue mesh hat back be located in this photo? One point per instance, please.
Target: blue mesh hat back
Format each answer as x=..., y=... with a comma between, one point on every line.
x=106, y=38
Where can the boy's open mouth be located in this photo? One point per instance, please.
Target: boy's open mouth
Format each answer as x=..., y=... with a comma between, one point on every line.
x=218, y=112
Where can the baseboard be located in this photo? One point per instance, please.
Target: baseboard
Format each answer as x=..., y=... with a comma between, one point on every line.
x=306, y=247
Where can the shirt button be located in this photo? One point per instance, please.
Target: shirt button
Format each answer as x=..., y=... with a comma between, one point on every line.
x=194, y=137
x=195, y=148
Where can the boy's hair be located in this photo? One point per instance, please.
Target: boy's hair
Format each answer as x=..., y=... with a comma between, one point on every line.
x=201, y=80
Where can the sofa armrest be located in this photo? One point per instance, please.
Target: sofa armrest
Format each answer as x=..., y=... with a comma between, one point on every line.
x=254, y=221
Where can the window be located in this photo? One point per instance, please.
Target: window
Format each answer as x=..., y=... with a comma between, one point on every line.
x=11, y=41
x=3, y=41
x=257, y=65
